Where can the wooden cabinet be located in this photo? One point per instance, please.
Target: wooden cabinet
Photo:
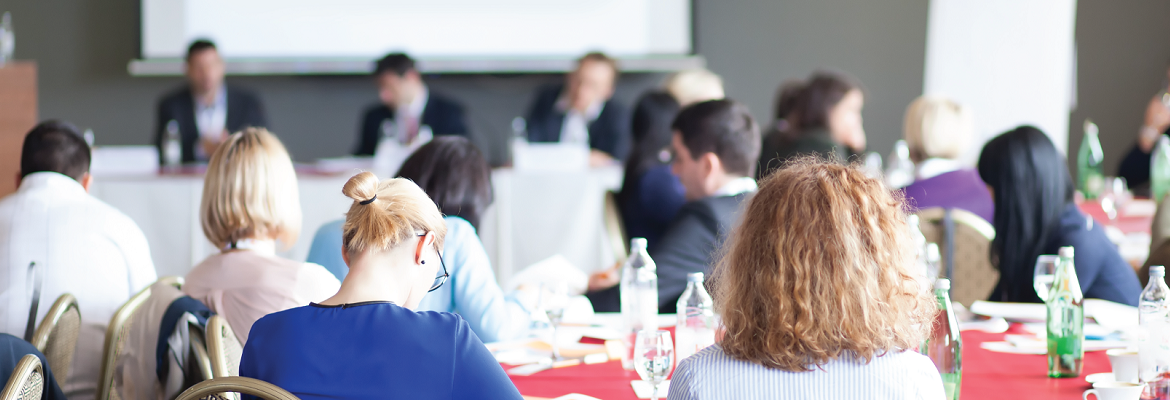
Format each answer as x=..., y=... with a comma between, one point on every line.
x=18, y=115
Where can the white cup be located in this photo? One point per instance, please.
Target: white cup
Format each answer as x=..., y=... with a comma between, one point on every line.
x=1125, y=364
x=1115, y=391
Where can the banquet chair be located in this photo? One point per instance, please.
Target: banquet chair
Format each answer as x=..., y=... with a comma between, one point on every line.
x=27, y=381
x=116, y=335
x=223, y=347
x=56, y=337
x=215, y=388
x=965, y=259
x=615, y=229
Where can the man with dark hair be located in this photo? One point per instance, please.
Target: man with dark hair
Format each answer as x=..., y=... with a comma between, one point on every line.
x=582, y=110
x=406, y=100
x=205, y=110
x=52, y=230
x=715, y=147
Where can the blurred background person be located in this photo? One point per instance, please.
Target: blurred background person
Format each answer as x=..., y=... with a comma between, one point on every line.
x=454, y=174
x=1135, y=167
x=250, y=200
x=937, y=130
x=1035, y=214
x=206, y=109
x=825, y=120
x=409, y=103
x=788, y=290
x=782, y=118
x=582, y=110
x=693, y=86
x=651, y=195
x=367, y=341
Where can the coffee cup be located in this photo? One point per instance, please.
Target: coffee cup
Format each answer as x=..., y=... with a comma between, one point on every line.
x=1125, y=364
x=1115, y=391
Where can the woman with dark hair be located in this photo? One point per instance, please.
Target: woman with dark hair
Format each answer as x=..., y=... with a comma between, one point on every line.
x=453, y=172
x=824, y=119
x=651, y=195
x=1035, y=214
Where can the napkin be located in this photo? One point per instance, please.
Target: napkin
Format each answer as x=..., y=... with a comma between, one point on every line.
x=644, y=389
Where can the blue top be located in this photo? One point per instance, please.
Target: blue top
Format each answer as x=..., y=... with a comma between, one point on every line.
x=374, y=350
x=657, y=197
x=471, y=290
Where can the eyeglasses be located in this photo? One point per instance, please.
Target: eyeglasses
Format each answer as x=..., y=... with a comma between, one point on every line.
x=439, y=279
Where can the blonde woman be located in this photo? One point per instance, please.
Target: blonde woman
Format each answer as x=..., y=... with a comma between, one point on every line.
x=817, y=297
x=367, y=341
x=250, y=201
x=937, y=130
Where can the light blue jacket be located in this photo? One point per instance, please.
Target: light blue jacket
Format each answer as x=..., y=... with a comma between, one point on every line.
x=471, y=291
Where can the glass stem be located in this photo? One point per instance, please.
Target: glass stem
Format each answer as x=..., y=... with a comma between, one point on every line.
x=556, y=352
x=654, y=391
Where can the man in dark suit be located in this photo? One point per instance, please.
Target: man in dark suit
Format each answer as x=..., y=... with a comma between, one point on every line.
x=716, y=144
x=582, y=111
x=206, y=110
x=407, y=102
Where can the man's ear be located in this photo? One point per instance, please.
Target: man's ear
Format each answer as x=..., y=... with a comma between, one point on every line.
x=710, y=163
x=86, y=181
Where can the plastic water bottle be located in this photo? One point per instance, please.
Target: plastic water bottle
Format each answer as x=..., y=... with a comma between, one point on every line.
x=639, y=297
x=7, y=39
x=1090, y=163
x=1160, y=168
x=920, y=252
x=900, y=170
x=172, y=145
x=1066, y=320
x=1154, y=336
x=696, y=319
x=933, y=262
x=945, y=345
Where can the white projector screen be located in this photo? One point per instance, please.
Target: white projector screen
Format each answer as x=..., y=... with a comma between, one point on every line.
x=305, y=29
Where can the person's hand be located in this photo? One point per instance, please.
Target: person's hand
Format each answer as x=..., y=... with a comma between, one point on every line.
x=210, y=143
x=599, y=158
x=1157, y=120
x=605, y=279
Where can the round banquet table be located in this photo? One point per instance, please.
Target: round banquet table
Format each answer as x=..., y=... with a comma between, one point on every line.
x=986, y=375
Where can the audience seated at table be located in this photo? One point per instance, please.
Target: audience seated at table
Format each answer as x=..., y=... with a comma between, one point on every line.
x=715, y=144
x=651, y=195
x=367, y=341
x=825, y=120
x=817, y=297
x=453, y=172
x=1035, y=214
x=693, y=86
x=407, y=101
x=12, y=349
x=582, y=111
x=1135, y=167
x=206, y=109
x=937, y=130
x=250, y=200
x=80, y=245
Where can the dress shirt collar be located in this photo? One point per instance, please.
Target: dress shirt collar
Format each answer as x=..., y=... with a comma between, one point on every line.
x=61, y=184
x=737, y=186
x=220, y=102
x=416, y=107
x=933, y=167
x=591, y=113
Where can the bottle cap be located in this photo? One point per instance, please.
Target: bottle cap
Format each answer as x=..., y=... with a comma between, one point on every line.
x=942, y=283
x=1157, y=271
x=696, y=277
x=637, y=243
x=1066, y=252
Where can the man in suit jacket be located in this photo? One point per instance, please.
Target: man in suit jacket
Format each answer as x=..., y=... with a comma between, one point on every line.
x=407, y=102
x=583, y=111
x=206, y=110
x=716, y=144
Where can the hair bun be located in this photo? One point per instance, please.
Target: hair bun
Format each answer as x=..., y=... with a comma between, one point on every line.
x=361, y=187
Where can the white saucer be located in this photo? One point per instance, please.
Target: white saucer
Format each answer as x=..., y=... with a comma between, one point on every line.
x=1099, y=377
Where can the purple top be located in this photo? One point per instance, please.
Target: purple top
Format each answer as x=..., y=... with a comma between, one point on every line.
x=956, y=189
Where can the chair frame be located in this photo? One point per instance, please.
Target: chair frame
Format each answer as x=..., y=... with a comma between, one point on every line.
x=48, y=328
x=236, y=384
x=217, y=330
x=28, y=366
x=117, y=322
x=960, y=216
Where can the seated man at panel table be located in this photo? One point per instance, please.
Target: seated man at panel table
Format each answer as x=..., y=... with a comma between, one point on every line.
x=80, y=245
x=205, y=110
x=409, y=103
x=583, y=111
x=715, y=147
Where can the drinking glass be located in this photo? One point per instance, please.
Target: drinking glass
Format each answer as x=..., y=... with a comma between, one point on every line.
x=553, y=299
x=653, y=357
x=1045, y=275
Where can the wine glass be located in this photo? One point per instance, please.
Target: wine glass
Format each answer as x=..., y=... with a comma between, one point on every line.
x=653, y=357
x=553, y=299
x=1045, y=275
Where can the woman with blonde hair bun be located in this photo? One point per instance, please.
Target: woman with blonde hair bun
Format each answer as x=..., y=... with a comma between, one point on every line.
x=817, y=296
x=937, y=130
x=250, y=200
x=367, y=341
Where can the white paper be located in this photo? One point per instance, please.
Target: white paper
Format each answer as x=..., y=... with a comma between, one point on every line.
x=1011, y=311
x=124, y=160
x=558, y=157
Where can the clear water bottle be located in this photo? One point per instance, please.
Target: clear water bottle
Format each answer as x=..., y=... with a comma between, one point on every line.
x=1160, y=168
x=1090, y=163
x=639, y=297
x=945, y=345
x=696, y=319
x=1154, y=336
x=899, y=168
x=933, y=262
x=1066, y=320
x=172, y=145
x=7, y=39
x=920, y=251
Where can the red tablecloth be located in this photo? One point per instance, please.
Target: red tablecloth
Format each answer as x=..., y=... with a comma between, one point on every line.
x=1126, y=223
x=986, y=375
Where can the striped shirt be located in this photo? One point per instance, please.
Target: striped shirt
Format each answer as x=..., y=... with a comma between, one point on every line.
x=711, y=374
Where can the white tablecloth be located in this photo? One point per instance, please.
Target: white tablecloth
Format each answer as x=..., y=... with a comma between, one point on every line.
x=535, y=215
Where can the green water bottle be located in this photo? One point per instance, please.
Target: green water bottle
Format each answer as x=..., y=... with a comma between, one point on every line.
x=1090, y=163
x=945, y=345
x=1160, y=168
x=1066, y=320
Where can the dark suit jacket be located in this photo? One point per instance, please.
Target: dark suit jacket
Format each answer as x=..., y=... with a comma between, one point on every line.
x=244, y=110
x=443, y=115
x=610, y=132
x=689, y=245
x=1135, y=168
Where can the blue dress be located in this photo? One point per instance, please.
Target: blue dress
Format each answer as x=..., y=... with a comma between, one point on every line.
x=372, y=350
